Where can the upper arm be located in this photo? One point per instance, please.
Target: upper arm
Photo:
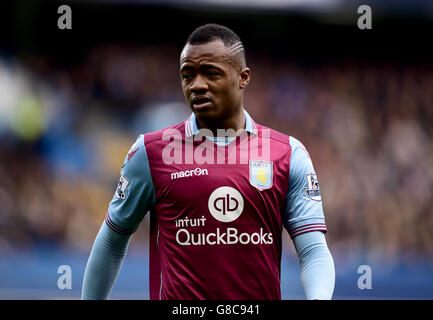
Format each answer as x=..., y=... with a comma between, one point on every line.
x=135, y=194
x=303, y=209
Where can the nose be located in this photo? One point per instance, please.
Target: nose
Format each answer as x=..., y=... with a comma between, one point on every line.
x=199, y=84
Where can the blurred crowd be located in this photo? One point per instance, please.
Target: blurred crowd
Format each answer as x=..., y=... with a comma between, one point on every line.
x=65, y=130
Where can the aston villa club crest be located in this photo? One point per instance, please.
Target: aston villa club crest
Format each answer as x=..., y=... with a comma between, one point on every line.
x=313, y=190
x=261, y=174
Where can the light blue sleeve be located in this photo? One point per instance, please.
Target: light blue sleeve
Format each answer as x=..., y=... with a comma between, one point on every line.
x=303, y=209
x=104, y=264
x=317, y=265
x=135, y=194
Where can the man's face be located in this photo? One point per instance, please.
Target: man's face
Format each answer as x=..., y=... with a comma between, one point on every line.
x=212, y=80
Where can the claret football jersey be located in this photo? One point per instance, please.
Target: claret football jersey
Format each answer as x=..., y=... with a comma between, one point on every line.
x=217, y=208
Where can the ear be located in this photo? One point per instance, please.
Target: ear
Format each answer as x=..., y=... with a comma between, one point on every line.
x=244, y=78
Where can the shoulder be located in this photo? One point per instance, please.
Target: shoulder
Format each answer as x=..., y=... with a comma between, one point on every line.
x=284, y=139
x=136, y=156
x=298, y=148
x=151, y=137
x=274, y=135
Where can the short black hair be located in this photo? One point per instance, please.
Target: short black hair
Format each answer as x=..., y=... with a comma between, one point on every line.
x=211, y=31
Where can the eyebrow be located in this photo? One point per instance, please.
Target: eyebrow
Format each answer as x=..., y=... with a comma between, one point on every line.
x=210, y=66
x=186, y=68
x=204, y=66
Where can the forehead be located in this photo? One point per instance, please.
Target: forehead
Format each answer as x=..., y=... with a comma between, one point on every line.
x=214, y=52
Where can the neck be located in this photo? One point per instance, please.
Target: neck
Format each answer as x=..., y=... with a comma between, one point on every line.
x=236, y=122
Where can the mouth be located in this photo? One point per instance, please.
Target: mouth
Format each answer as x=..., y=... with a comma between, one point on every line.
x=201, y=102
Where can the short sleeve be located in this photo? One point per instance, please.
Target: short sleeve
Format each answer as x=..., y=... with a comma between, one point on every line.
x=135, y=194
x=303, y=210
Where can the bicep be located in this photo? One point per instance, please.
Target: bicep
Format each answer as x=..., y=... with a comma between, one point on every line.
x=303, y=209
x=135, y=194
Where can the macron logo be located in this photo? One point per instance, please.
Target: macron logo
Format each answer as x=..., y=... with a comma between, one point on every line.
x=189, y=173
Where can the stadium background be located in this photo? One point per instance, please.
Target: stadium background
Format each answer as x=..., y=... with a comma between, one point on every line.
x=73, y=101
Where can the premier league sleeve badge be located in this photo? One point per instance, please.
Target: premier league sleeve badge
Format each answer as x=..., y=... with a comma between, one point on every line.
x=313, y=190
x=121, y=187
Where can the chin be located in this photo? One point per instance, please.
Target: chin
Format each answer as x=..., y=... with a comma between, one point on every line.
x=205, y=113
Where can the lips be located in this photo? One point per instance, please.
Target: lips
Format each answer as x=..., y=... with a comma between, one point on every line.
x=200, y=100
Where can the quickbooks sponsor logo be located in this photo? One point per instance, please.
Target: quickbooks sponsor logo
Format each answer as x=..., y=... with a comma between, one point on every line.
x=189, y=173
x=226, y=204
x=230, y=236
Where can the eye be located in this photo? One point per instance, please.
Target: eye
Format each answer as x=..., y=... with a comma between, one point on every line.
x=212, y=74
x=186, y=76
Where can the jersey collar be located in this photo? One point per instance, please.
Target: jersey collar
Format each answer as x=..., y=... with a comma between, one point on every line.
x=191, y=128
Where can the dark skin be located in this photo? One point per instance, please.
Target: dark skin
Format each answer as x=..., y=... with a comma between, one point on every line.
x=213, y=82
